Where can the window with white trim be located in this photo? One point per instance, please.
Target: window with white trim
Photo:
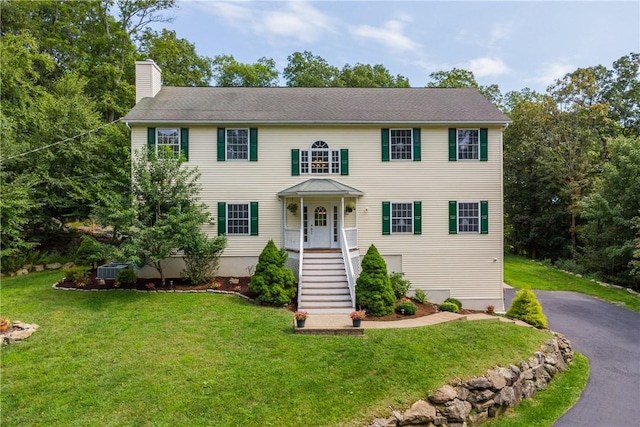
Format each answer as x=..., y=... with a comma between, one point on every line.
x=237, y=143
x=167, y=137
x=238, y=218
x=320, y=159
x=468, y=143
x=401, y=218
x=468, y=217
x=401, y=144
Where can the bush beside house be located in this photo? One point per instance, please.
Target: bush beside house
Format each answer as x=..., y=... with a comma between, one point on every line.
x=273, y=281
x=374, y=292
x=526, y=307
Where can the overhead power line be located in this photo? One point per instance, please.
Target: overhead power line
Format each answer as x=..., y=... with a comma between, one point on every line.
x=59, y=142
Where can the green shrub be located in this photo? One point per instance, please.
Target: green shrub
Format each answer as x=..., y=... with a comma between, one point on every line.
x=373, y=287
x=570, y=265
x=421, y=296
x=202, y=257
x=76, y=273
x=273, y=282
x=526, y=307
x=399, y=284
x=449, y=306
x=407, y=308
x=126, y=276
x=92, y=252
x=456, y=302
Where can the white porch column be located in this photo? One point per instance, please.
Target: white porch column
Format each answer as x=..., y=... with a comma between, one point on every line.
x=341, y=220
x=301, y=223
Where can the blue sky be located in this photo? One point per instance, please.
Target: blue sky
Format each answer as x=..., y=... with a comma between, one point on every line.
x=514, y=44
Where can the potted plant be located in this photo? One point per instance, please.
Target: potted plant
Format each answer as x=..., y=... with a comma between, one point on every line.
x=357, y=316
x=349, y=207
x=292, y=207
x=4, y=324
x=301, y=317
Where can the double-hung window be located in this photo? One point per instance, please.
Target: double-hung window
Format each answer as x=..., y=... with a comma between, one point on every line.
x=237, y=144
x=240, y=219
x=401, y=144
x=162, y=141
x=401, y=217
x=468, y=217
x=468, y=144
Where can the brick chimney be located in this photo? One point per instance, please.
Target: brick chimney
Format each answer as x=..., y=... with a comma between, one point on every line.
x=148, y=79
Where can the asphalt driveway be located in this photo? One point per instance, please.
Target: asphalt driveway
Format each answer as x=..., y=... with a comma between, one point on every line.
x=610, y=337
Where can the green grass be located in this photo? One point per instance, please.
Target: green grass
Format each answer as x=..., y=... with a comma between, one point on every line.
x=522, y=273
x=549, y=405
x=123, y=358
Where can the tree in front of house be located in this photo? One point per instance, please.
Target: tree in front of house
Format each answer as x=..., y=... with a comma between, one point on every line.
x=167, y=212
x=273, y=281
x=374, y=292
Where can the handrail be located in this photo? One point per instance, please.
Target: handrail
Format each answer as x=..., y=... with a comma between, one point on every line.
x=349, y=267
x=300, y=262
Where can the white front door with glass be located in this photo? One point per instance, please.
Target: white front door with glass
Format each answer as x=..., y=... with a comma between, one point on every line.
x=320, y=225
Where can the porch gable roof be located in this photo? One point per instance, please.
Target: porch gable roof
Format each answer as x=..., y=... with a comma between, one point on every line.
x=320, y=187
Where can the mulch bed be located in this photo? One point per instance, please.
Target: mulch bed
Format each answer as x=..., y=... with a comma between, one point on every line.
x=229, y=284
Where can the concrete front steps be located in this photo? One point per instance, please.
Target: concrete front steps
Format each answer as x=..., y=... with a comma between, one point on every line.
x=324, y=287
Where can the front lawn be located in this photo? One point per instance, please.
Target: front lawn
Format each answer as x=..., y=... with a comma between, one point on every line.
x=521, y=272
x=122, y=358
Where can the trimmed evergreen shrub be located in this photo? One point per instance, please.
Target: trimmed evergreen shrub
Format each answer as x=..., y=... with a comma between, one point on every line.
x=407, y=308
x=373, y=287
x=273, y=282
x=449, y=306
x=75, y=273
x=454, y=301
x=92, y=252
x=399, y=284
x=526, y=307
x=421, y=296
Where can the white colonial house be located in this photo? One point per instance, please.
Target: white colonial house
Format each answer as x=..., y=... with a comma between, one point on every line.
x=326, y=172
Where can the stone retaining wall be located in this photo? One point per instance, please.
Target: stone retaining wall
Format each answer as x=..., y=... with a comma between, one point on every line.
x=472, y=402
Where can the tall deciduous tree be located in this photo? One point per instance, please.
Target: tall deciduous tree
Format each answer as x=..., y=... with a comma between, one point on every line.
x=307, y=70
x=229, y=72
x=365, y=75
x=180, y=64
x=460, y=78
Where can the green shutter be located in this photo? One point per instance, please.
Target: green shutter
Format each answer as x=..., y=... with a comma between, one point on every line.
x=253, y=144
x=453, y=217
x=222, y=155
x=416, y=145
x=453, y=155
x=386, y=218
x=417, y=217
x=484, y=217
x=344, y=161
x=184, y=142
x=385, y=145
x=253, y=212
x=484, y=150
x=295, y=162
x=222, y=218
x=151, y=142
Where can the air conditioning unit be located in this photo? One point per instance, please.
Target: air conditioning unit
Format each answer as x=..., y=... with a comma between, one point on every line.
x=110, y=271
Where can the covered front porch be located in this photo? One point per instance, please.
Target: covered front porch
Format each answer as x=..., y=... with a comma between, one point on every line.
x=320, y=231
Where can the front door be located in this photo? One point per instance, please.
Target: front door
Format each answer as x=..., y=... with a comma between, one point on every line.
x=319, y=225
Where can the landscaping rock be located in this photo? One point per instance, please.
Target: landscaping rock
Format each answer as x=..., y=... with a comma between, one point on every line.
x=443, y=394
x=385, y=422
x=497, y=380
x=458, y=410
x=18, y=331
x=420, y=412
x=479, y=382
x=528, y=389
x=39, y=267
x=53, y=266
x=68, y=265
x=22, y=272
x=478, y=418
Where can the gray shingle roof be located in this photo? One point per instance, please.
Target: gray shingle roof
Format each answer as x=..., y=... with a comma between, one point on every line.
x=321, y=187
x=315, y=105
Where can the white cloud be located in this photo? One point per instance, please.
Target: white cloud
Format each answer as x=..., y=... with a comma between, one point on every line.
x=390, y=35
x=482, y=67
x=500, y=32
x=551, y=72
x=298, y=21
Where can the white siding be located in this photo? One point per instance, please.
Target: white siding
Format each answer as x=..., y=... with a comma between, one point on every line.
x=469, y=266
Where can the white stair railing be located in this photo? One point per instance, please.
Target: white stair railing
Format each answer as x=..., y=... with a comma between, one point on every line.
x=300, y=263
x=349, y=267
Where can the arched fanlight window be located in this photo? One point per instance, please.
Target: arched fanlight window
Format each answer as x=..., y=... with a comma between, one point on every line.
x=319, y=159
x=319, y=144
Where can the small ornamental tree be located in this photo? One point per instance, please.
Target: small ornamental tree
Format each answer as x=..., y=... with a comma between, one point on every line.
x=373, y=287
x=91, y=252
x=273, y=282
x=525, y=307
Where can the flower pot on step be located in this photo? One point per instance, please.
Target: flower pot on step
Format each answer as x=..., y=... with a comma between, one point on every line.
x=356, y=322
x=300, y=322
